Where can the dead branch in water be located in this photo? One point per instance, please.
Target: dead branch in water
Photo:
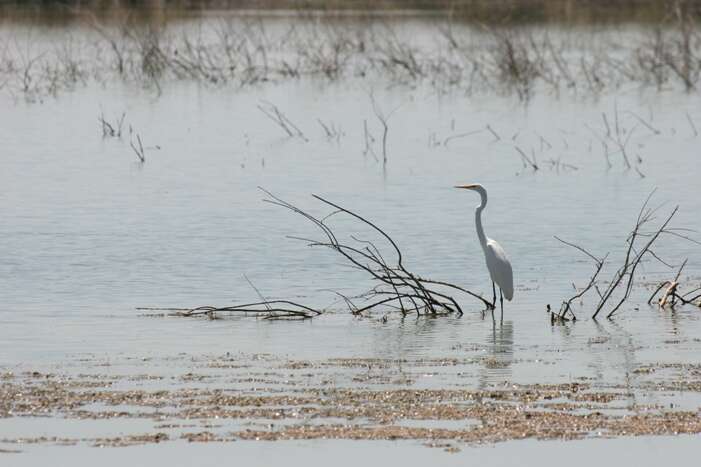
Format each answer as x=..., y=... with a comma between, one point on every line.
x=398, y=288
x=566, y=306
x=494, y=133
x=639, y=245
x=109, y=129
x=691, y=123
x=369, y=140
x=265, y=308
x=275, y=114
x=527, y=162
x=383, y=118
x=460, y=135
x=672, y=295
x=331, y=131
x=138, y=150
x=269, y=309
x=626, y=273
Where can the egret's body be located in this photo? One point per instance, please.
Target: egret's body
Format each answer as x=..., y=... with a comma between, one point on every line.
x=497, y=262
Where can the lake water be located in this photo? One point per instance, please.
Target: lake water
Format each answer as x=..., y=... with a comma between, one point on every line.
x=89, y=234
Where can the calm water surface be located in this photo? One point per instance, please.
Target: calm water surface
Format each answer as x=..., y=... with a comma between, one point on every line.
x=89, y=233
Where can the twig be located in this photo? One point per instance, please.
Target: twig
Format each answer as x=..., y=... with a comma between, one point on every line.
x=567, y=305
x=139, y=151
x=260, y=295
x=494, y=133
x=270, y=309
x=275, y=114
x=330, y=130
x=384, y=119
x=111, y=130
x=691, y=122
x=369, y=140
x=526, y=160
x=646, y=124
x=460, y=135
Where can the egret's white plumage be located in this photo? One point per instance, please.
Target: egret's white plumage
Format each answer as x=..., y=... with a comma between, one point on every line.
x=499, y=268
x=497, y=262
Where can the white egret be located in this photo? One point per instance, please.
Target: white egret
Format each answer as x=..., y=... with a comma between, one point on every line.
x=497, y=263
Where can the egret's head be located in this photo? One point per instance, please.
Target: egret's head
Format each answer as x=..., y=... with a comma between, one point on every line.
x=479, y=189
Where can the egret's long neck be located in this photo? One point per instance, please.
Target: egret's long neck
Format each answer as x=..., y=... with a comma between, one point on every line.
x=478, y=220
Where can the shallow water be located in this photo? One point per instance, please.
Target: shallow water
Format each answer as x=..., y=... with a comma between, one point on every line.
x=89, y=234
x=642, y=451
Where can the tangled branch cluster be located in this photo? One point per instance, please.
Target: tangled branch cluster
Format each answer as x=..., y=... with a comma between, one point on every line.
x=398, y=289
x=639, y=246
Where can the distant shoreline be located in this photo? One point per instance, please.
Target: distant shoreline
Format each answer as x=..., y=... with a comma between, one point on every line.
x=480, y=11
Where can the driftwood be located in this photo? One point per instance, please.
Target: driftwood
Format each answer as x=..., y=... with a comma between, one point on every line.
x=672, y=296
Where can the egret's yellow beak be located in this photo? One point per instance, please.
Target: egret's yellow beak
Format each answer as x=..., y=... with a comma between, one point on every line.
x=467, y=187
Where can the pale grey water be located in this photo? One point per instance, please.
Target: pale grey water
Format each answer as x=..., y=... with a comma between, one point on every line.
x=87, y=234
x=644, y=451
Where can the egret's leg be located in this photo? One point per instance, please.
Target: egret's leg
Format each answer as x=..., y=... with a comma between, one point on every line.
x=501, y=301
x=494, y=299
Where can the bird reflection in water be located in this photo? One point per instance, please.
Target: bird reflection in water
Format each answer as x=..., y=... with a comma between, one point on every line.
x=499, y=355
